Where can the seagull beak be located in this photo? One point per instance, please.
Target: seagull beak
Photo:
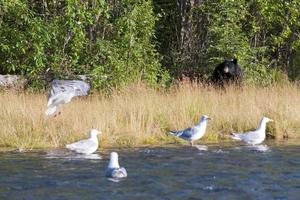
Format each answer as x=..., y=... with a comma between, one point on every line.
x=209, y=118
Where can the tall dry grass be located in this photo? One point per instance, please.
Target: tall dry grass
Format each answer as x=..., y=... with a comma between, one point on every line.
x=139, y=115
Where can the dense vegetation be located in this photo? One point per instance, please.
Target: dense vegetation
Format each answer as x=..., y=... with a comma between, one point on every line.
x=118, y=42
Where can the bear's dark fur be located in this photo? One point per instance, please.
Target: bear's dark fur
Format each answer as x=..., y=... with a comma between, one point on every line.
x=228, y=72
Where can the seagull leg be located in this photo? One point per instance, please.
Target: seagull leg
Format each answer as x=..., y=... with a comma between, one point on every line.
x=192, y=143
x=56, y=114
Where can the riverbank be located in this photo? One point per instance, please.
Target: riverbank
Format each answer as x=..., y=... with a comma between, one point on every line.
x=139, y=115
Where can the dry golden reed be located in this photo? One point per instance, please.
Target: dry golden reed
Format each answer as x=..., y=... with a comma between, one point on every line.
x=139, y=115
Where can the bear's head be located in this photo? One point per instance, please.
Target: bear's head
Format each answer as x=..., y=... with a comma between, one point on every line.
x=230, y=66
x=228, y=71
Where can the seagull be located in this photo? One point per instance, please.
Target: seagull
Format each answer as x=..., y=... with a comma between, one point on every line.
x=114, y=170
x=253, y=137
x=193, y=133
x=87, y=146
x=62, y=91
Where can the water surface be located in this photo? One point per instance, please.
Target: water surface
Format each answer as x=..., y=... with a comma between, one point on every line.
x=222, y=172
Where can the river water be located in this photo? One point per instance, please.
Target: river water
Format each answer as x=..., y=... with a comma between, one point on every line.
x=230, y=171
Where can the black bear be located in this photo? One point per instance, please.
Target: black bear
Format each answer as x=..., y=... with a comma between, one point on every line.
x=228, y=72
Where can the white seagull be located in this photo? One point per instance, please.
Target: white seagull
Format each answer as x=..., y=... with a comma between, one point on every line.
x=253, y=137
x=193, y=133
x=62, y=91
x=114, y=170
x=87, y=146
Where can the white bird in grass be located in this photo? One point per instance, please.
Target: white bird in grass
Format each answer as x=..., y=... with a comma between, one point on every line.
x=62, y=91
x=114, y=170
x=253, y=137
x=193, y=133
x=87, y=146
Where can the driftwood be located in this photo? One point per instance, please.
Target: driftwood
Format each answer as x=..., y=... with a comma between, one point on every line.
x=19, y=82
x=13, y=81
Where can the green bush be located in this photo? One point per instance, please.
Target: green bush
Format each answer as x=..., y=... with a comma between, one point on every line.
x=109, y=40
x=118, y=42
x=263, y=35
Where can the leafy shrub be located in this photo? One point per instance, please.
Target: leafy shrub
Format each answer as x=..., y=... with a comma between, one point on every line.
x=109, y=40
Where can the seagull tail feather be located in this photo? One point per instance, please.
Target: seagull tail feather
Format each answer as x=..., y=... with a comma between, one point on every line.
x=173, y=133
x=50, y=110
x=70, y=146
x=235, y=136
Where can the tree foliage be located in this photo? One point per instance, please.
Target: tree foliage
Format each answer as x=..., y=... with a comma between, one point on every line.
x=263, y=35
x=117, y=42
x=110, y=40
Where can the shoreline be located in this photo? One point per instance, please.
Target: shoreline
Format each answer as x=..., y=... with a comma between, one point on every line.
x=220, y=144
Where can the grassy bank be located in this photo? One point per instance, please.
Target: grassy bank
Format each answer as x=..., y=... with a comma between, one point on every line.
x=139, y=115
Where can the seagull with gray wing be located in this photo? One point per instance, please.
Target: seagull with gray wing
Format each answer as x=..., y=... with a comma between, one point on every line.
x=253, y=137
x=62, y=91
x=193, y=133
x=114, y=170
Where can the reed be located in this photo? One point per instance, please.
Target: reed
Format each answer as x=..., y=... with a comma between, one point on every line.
x=138, y=115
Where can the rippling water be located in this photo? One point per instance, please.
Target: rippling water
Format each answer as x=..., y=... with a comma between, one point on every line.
x=221, y=172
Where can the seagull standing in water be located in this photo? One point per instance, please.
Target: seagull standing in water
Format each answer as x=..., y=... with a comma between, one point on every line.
x=87, y=146
x=193, y=133
x=62, y=91
x=114, y=170
x=253, y=137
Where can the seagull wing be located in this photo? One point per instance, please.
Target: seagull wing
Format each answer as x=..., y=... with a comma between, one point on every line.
x=116, y=172
x=62, y=91
x=248, y=137
x=72, y=87
x=119, y=173
x=251, y=137
x=186, y=133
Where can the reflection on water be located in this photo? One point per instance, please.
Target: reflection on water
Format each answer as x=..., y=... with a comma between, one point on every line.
x=260, y=148
x=221, y=172
x=57, y=153
x=201, y=147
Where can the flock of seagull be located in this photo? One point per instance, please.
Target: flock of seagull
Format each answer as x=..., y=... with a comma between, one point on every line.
x=62, y=91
